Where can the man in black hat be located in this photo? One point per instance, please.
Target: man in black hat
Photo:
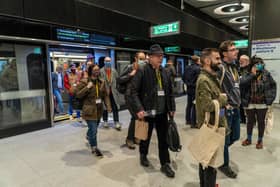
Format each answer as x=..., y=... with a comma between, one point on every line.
x=152, y=100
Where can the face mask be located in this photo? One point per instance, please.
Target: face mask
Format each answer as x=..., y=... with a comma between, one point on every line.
x=107, y=64
x=73, y=70
x=141, y=62
x=259, y=67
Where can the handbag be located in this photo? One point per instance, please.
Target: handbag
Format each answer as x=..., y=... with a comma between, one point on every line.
x=173, y=138
x=207, y=145
x=141, y=129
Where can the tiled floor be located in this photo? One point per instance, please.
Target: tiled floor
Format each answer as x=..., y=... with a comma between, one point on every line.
x=59, y=156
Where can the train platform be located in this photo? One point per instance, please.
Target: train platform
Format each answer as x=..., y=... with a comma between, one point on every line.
x=59, y=157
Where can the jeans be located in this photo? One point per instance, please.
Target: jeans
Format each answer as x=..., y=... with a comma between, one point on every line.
x=71, y=108
x=160, y=122
x=59, y=101
x=207, y=176
x=233, y=121
x=114, y=109
x=92, y=132
x=190, y=110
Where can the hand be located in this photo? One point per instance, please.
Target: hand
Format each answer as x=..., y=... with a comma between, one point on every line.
x=172, y=114
x=141, y=114
x=90, y=85
x=132, y=73
x=254, y=70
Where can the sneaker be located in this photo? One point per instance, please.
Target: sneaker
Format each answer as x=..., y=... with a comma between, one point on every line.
x=130, y=144
x=228, y=171
x=105, y=124
x=118, y=126
x=98, y=153
x=246, y=142
x=259, y=145
x=71, y=117
x=144, y=161
x=166, y=169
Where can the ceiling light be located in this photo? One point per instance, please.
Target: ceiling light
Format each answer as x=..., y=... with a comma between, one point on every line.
x=234, y=8
x=239, y=20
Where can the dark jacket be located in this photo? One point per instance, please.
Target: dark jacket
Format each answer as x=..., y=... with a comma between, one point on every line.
x=55, y=80
x=91, y=110
x=125, y=78
x=144, y=90
x=190, y=77
x=231, y=86
x=208, y=88
x=269, y=88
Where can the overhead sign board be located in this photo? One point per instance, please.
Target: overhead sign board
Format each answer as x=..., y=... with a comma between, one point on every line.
x=173, y=49
x=84, y=37
x=165, y=29
x=241, y=43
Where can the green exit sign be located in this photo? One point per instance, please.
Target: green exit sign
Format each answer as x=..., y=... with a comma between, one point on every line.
x=241, y=43
x=172, y=49
x=165, y=29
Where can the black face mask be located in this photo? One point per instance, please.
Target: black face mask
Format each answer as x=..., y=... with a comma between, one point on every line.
x=73, y=70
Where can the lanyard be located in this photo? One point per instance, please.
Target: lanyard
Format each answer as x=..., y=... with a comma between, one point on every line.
x=159, y=79
x=97, y=90
x=234, y=75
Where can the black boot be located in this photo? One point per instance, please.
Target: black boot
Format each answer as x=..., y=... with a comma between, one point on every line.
x=228, y=171
x=166, y=169
x=144, y=161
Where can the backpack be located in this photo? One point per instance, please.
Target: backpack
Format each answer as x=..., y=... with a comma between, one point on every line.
x=173, y=138
x=121, y=85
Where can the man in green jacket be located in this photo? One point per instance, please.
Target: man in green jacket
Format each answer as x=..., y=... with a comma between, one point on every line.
x=208, y=89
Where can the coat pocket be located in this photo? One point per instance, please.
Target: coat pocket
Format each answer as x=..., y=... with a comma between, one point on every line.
x=88, y=110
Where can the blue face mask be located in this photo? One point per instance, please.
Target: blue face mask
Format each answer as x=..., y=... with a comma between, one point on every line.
x=141, y=62
x=260, y=67
x=107, y=64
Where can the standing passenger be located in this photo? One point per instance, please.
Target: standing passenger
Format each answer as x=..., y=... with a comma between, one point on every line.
x=152, y=99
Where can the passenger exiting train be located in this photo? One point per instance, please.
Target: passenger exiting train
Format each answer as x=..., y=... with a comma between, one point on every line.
x=110, y=75
x=258, y=91
x=92, y=92
x=71, y=80
x=124, y=80
x=152, y=100
x=58, y=88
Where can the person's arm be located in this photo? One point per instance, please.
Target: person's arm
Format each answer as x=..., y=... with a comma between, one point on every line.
x=66, y=82
x=125, y=75
x=83, y=89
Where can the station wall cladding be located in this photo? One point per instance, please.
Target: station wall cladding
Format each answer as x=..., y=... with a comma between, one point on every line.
x=121, y=17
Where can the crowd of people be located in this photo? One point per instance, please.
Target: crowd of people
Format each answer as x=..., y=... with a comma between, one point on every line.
x=244, y=89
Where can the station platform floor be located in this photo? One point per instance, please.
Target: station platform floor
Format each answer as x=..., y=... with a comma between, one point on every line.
x=59, y=157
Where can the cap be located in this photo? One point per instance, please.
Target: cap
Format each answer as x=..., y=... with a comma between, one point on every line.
x=155, y=49
x=89, y=56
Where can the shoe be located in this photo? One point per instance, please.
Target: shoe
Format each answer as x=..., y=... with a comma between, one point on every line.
x=228, y=171
x=97, y=152
x=246, y=142
x=144, y=161
x=259, y=145
x=105, y=124
x=118, y=126
x=166, y=169
x=130, y=144
x=71, y=117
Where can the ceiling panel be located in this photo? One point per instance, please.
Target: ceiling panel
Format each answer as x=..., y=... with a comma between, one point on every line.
x=209, y=6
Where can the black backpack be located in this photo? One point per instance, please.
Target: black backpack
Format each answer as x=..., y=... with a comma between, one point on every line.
x=121, y=86
x=173, y=138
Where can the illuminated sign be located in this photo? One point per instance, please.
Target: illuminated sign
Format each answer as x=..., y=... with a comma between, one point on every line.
x=84, y=37
x=241, y=43
x=172, y=49
x=165, y=29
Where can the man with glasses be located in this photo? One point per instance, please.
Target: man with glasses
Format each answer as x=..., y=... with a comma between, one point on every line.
x=230, y=85
x=152, y=100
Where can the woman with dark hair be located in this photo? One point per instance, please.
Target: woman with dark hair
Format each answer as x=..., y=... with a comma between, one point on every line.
x=91, y=91
x=258, y=90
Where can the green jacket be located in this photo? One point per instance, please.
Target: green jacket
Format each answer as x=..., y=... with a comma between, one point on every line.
x=207, y=89
x=92, y=110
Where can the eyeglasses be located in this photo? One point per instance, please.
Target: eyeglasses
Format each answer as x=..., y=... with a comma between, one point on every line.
x=232, y=50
